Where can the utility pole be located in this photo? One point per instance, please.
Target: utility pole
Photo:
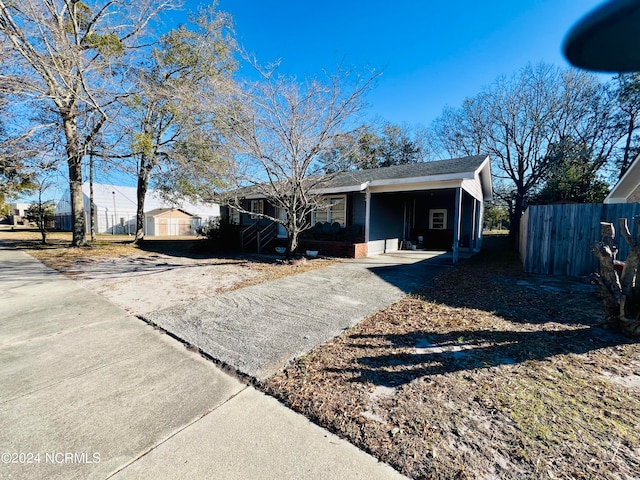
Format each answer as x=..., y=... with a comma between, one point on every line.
x=115, y=213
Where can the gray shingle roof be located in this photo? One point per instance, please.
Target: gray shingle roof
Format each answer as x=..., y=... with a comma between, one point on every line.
x=355, y=178
x=424, y=169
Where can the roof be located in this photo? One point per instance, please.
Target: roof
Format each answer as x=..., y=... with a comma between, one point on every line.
x=161, y=211
x=626, y=185
x=415, y=176
x=453, y=166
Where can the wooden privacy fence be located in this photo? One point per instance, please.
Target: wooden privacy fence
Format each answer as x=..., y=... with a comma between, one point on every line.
x=556, y=239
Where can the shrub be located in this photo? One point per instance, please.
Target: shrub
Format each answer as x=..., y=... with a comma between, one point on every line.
x=220, y=234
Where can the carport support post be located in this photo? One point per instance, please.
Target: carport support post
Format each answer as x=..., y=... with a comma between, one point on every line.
x=367, y=215
x=456, y=225
x=474, y=225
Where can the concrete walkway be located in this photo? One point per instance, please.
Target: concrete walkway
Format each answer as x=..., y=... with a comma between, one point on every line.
x=91, y=392
x=257, y=330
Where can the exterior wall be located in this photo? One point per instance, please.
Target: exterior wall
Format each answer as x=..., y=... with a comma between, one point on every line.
x=387, y=217
x=437, y=199
x=405, y=216
x=356, y=203
x=466, y=226
x=174, y=223
x=245, y=218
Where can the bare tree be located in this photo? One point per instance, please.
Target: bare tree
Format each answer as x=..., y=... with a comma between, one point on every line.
x=65, y=55
x=516, y=120
x=169, y=124
x=627, y=89
x=617, y=281
x=280, y=128
x=41, y=212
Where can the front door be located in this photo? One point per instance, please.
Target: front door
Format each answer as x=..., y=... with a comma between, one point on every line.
x=282, y=215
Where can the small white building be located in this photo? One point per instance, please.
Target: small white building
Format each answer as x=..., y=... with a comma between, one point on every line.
x=19, y=209
x=164, y=222
x=115, y=208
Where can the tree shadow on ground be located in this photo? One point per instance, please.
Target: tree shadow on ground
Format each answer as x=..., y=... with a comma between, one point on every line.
x=536, y=317
x=495, y=282
x=188, y=248
x=421, y=354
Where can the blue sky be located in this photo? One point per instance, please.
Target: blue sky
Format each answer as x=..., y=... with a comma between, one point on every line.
x=433, y=53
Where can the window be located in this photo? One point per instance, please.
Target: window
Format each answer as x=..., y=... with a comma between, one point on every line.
x=438, y=219
x=234, y=216
x=334, y=209
x=257, y=207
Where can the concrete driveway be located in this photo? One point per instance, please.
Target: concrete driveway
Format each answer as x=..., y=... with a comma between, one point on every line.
x=89, y=391
x=259, y=329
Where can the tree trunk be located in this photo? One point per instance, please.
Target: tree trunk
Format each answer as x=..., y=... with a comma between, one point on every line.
x=515, y=220
x=43, y=230
x=92, y=208
x=619, y=291
x=292, y=242
x=143, y=186
x=627, y=146
x=78, y=226
x=74, y=162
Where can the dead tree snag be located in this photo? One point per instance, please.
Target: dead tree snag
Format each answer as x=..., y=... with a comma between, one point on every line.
x=617, y=281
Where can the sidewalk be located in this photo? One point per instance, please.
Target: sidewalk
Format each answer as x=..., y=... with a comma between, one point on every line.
x=91, y=392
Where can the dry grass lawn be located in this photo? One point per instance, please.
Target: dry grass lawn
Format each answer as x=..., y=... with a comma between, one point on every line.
x=159, y=272
x=491, y=374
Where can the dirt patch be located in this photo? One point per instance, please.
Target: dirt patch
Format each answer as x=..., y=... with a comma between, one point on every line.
x=146, y=284
x=491, y=374
x=158, y=274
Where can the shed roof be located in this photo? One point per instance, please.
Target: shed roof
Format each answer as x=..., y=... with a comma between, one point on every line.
x=161, y=211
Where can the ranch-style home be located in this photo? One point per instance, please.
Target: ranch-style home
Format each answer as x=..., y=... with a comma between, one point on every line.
x=436, y=205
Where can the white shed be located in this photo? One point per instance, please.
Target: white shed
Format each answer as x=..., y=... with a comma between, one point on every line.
x=165, y=222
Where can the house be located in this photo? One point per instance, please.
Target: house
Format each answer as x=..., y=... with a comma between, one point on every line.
x=627, y=190
x=115, y=208
x=434, y=205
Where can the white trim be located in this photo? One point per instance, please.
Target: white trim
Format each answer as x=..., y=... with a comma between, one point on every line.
x=433, y=211
x=415, y=187
x=423, y=179
x=626, y=185
x=281, y=231
x=260, y=209
x=234, y=216
x=347, y=189
x=328, y=206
